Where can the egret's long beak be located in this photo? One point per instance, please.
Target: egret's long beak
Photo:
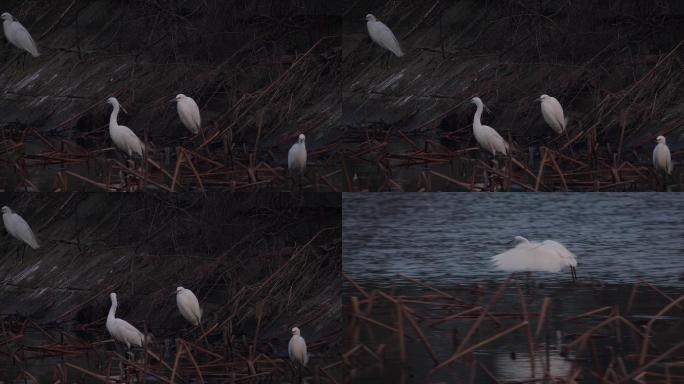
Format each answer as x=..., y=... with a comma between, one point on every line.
x=538, y=99
x=172, y=100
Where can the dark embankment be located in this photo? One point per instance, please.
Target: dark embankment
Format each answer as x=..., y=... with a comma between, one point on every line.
x=616, y=67
x=261, y=73
x=264, y=262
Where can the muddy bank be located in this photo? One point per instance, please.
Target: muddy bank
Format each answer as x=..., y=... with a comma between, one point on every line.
x=615, y=67
x=261, y=73
x=246, y=257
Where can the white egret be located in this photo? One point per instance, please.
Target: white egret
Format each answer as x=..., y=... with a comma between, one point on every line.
x=297, y=348
x=17, y=227
x=382, y=35
x=121, y=330
x=662, y=161
x=530, y=256
x=296, y=157
x=17, y=35
x=188, y=306
x=189, y=113
x=552, y=111
x=122, y=136
x=486, y=136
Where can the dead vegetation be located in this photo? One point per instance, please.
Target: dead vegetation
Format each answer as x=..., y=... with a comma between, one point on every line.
x=615, y=67
x=261, y=75
x=416, y=315
x=259, y=264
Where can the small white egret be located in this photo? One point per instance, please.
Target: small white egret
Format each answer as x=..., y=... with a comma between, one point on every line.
x=188, y=305
x=17, y=227
x=297, y=348
x=121, y=330
x=122, y=136
x=486, y=136
x=296, y=157
x=382, y=35
x=17, y=35
x=552, y=111
x=530, y=256
x=189, y=113
x=662, y=161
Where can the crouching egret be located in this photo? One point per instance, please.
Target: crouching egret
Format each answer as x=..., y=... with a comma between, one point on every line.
x=17, y=227
x=188, y=306
x=382, y=35
x=296, y=157
x=122, y=136
x=121, y=330
x=17, y=35
x=662, y=161
x=189, y=113
x=486, y=136
x=297, y=348
x=530, y=256
x=552, y=111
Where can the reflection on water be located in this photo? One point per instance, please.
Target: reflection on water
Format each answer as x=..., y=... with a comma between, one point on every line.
x=507, y=358
x=447, y=238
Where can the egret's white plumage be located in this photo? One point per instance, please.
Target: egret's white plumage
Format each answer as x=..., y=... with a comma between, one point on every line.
x=120, y=329
x=486, y=136
x=296, y=157
x=552, y=111
x=17, y=35
x=18, y=228
x=382, y=35
x=188, y=305
x=122, y=136
x=297, y=348
x=662, y=161
x=531, y=256
x=189, y=113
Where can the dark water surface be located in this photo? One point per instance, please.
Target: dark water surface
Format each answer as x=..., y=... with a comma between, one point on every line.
x=446, y=238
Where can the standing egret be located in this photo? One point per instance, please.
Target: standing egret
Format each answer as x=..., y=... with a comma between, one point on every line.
x=19, y=229
x=296, y=157
x=122, y=136
x=530, y=256
x=121, y=330
x=662, y=161
x=486, y=136
x=552, y=112
x=188, y=306
x=297, y=349
x=189, y=113
x=17, y=35
x=382, y=35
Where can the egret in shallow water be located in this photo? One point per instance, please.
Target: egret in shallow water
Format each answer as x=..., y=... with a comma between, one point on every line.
x=189, y=113
x=17, y=35
x=530, y=256
x=662, y=161
x=188, y=306
x=552, y=111
x=486, y=136
x=17, y=227
x=382, y=35
x=297, y=348
x=296, y=157
x=121, y=330
x=122, y=136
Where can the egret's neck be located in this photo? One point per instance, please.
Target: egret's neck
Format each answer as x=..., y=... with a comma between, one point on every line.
x=112, y=311
x=112, y=125
x=478, y=115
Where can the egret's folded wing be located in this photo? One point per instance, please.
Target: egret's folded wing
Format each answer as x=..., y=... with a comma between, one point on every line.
x=24, y=232
x=24, y=39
